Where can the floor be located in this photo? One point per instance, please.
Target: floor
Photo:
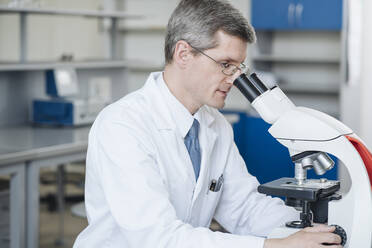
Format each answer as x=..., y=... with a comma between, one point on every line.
x=56, y=230
x=50, y=232
x=60, y=230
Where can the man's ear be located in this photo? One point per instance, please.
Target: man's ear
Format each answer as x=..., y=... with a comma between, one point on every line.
x=182, y=53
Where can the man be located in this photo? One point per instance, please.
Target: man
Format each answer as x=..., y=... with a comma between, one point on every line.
x=162, y=162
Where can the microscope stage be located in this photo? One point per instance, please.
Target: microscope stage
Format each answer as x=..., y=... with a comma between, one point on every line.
x=310, y=190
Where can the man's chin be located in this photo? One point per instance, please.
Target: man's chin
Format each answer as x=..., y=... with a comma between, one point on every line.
x=216, y=105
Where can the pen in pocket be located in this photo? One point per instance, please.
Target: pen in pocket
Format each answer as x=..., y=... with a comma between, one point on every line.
x=219, y=183
x=212, y=187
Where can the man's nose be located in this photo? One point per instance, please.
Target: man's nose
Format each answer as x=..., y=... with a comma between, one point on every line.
x=231, y=79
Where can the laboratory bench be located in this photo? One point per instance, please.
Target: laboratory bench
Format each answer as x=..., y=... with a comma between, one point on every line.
x=24, y=149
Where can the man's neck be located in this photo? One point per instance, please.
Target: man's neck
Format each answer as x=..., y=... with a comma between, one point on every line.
x=175, y=83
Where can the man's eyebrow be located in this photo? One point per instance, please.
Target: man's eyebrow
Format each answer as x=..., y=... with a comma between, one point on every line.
x=229, y=59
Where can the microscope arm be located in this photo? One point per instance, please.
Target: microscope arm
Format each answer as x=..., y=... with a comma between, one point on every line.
x=288, y=121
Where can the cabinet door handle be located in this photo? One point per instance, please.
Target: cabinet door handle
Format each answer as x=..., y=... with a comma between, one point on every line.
x=291, y=11
x=299, y=10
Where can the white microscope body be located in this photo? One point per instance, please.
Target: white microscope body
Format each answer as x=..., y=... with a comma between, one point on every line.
x=302, y=129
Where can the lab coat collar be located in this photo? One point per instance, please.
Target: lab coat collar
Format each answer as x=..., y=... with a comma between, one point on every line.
x=181, y=116
x=178, y=117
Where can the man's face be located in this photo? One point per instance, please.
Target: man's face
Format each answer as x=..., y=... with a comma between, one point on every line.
x=207, y=84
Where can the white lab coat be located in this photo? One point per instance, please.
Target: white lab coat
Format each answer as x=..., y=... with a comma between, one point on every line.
x=140, y=186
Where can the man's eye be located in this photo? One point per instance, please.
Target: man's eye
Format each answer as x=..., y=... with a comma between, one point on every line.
x=225, y=65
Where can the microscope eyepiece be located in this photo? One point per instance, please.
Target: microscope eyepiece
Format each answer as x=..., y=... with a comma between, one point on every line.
x=251, y=87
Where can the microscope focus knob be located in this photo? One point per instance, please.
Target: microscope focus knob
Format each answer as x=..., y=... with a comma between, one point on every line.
x=341, y=232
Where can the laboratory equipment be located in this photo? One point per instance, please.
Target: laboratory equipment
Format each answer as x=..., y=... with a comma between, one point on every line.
x=65, y=105
x=310, y=136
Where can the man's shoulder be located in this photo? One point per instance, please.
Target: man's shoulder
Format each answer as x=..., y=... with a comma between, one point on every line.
x=123, y=120
x=130, y=110
x=135, y=111
x=137, y=104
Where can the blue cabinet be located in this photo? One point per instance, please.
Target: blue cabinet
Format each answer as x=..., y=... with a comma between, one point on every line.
x=297, y=14
x=273, y=14
x=321, y=14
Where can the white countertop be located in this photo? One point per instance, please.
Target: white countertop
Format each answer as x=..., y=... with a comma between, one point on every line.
x=25, y=142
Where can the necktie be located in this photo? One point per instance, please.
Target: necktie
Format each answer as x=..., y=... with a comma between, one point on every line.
x=192, y=145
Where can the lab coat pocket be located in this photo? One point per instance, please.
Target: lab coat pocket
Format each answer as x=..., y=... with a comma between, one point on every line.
x=210, y=204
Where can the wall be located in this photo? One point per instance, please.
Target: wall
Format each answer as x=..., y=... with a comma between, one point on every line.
x=50, y=37
x=145, y=40
x=356, y=93
x=366, y=76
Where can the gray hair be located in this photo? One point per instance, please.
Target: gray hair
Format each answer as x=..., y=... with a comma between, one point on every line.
x=197, y=21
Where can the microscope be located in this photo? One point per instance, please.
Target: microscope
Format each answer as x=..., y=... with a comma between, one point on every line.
x=310, y=136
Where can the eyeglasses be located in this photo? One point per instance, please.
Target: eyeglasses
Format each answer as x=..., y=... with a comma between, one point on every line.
x=227, y=69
